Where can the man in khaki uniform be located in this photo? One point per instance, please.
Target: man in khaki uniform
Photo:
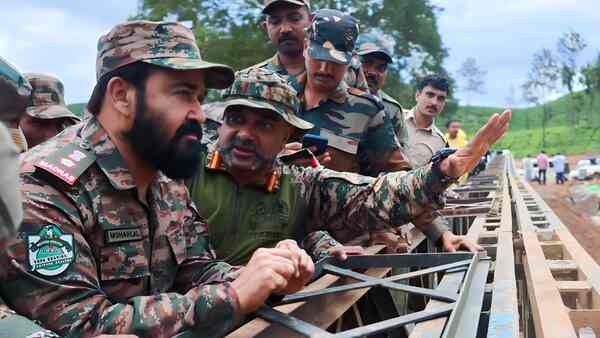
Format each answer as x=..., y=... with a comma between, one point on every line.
x=47, y=115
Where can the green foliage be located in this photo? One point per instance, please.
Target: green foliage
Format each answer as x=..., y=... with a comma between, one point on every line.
x=229, y=32
x=77, y=108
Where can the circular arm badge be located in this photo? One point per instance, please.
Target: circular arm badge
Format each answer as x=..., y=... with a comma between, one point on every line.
x=50, y=251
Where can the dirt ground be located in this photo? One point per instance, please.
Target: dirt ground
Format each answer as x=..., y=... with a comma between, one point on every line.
x=580, y=225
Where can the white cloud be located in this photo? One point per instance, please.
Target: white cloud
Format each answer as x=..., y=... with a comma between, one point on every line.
x=503, y=36
x=59, y=37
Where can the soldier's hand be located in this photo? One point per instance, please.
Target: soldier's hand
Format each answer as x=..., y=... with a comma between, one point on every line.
x=343, y=251
x=453, y=243
x=303, y=264
x=467, y=157
x=267, y=271
x=393, y=242
x=293, y=147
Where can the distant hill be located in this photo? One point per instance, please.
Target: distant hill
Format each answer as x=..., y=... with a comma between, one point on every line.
x=77, y=108
x=525, y=134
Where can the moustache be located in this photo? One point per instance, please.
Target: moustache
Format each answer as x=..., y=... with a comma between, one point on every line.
x=189, y=127
x=323, y=75
x=238, y=142
x=371, y=78
x=287, y=37
x=434, y=108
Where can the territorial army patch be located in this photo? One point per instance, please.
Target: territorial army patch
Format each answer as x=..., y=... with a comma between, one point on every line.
x=67, y=163
x=50, y=251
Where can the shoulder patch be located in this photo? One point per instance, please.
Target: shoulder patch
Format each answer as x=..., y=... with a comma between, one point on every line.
x=68, y=162
x=374, y=99
x=50, y=251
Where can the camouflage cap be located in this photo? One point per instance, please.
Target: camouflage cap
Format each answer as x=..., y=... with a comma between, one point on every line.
x=268, y=4
x=11, y=75
x=48, y=98
x=332, y=36
x=263, y=89
x=369, y=43
x=165, y=44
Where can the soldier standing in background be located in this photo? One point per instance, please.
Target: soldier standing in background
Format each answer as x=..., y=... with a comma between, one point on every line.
x=47, y=115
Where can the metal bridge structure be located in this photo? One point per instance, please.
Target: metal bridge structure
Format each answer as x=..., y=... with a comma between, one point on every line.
x=533, y=279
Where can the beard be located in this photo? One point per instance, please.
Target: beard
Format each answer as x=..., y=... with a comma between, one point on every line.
x=259, y=163
x=177, y=158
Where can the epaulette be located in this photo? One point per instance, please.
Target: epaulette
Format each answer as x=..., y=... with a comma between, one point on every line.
x=357, y=92
x=387, y=98
x=258, y=65
x=69, y=162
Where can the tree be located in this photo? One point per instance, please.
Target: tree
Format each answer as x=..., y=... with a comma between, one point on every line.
x=569, y=47
x=472, y=78
x=541, y=83
x=229, y=32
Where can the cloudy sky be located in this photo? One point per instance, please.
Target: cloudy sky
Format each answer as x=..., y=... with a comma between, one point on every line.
x=60, y=37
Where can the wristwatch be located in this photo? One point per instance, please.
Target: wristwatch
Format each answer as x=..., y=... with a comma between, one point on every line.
x=437, y=159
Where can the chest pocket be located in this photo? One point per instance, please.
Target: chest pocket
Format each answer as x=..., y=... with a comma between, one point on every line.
x=124, y=260
x=270, y=220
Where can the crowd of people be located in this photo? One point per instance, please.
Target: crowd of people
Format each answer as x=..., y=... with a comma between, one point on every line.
x=155, y=214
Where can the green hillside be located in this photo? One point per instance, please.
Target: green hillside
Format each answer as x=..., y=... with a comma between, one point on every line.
x=525, y=134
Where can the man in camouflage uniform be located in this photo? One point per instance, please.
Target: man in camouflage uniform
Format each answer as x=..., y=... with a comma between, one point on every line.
x=14, y=96
x=110, y=242
x=252, y=200
x=286, y=22
x=361, y=138
x=47, y=115
x=376, y=54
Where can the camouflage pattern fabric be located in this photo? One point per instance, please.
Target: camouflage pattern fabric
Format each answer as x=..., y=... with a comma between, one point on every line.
x=360, y=135
x=165, y=44
x=48, y=98
x=332, y=36
x=308, y=200
x=368, y=43
x=137, y=267
x=261, y=88
x=393, y=110
x=269, y=3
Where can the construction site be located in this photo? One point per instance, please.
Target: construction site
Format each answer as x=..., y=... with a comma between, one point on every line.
x=534, y=279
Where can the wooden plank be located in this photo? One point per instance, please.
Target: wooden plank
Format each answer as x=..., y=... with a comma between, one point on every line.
x=574, y=286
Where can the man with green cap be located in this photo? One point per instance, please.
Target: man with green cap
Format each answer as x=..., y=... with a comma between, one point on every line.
x=110, y=242
x=252, y=200
x=14, y=96
x=47, y=115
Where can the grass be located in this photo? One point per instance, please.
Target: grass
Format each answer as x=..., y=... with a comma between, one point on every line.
x=525, y=134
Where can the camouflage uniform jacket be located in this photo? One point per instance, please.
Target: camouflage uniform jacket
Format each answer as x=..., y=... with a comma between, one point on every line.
x=244, y=218
x=394, y=111
x=360, y=135
x=136, y=267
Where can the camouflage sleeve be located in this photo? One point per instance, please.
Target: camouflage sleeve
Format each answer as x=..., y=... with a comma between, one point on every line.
x=318, y=243
x=348, y=204
x=435, y=230
x=73, y=302
x=381, y=147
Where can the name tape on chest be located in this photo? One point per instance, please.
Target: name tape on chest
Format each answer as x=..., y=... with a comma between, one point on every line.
x=122, y=235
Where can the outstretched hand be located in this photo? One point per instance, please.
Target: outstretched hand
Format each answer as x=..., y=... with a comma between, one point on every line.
x=467, y=157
